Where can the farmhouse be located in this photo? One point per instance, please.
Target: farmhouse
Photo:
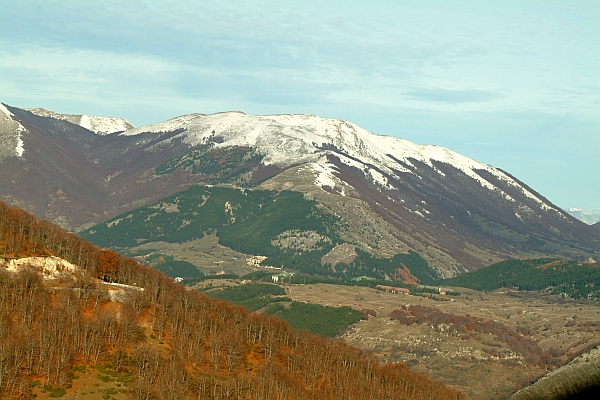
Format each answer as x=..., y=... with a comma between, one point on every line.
x=280, y=277
x=393, y=289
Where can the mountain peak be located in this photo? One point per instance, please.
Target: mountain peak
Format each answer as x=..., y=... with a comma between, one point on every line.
x=288, y=139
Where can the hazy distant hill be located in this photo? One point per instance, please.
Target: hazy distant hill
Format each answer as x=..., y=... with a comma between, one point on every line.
x=590, y=216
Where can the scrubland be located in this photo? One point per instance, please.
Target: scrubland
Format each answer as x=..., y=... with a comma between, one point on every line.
x=480, y=364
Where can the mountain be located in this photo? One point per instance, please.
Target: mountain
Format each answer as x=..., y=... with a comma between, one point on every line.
x=590, y=216
x=147, y=337
x=392, y=196
x=284, y=228
x=98, y=125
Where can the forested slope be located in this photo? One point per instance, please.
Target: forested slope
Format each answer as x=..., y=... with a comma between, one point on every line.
x=284, y=226
x=175, y=344
x=562, y=277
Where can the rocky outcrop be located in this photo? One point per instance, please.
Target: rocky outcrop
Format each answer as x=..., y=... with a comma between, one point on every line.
x=50, y=267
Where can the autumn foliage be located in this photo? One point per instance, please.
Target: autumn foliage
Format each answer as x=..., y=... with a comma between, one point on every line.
x=178, y=344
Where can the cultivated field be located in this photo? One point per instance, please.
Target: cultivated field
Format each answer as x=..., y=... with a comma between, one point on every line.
x=483, y=367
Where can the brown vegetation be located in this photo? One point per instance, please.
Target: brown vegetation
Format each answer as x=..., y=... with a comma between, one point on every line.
x=178, y=344
x=580, y=379
x=482, y=367
x=519, y=340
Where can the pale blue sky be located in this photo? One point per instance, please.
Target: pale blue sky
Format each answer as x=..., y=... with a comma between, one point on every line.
x=515, y=84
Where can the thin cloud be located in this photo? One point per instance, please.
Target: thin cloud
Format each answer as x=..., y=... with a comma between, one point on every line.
x=451, y=95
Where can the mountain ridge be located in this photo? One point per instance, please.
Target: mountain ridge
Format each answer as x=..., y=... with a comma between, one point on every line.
x=96, y=124
x=590, y=216
x=459, y=213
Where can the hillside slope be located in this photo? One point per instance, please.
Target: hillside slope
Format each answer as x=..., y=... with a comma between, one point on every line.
x=290, y=231
x=160, y=340
x=579, y=380
x=560, y=277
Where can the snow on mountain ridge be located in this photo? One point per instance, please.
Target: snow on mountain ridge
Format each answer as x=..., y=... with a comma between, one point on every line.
x=589, y=216
x=287, y=139
x=98, y=125
x=5, y=110
x=11, y=131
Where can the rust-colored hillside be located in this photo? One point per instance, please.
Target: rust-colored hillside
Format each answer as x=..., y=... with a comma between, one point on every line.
x=176, y=344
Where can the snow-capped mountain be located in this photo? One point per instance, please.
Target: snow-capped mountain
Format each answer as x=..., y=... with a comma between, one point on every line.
x=392, y=195
x=590, y=216
x=298, y=139
x=98, y=125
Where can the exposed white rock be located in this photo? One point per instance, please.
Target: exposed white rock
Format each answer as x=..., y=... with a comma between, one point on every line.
x=50, y=267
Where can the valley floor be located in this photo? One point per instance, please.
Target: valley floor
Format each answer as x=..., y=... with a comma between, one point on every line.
x=483, y=367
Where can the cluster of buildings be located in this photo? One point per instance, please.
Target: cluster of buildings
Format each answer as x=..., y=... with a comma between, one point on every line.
x=393, y=289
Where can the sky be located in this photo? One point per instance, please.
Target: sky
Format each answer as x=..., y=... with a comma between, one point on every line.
x=513, y=84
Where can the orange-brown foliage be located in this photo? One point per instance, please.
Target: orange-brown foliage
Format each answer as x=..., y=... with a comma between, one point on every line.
x=198, y=348
x=406, y=276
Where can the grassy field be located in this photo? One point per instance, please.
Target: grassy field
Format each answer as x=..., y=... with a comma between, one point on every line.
x=206, y=253
x=482, y=367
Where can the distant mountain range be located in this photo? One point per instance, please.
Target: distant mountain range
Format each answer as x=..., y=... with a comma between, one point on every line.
x=98, y=125
x=389, y=196
x=590, y=216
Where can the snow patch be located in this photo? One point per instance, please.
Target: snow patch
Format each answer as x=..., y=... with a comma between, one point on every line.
x=507, y=196
x=324, y=175
x=417, y=212
x=518, y=216
x=379, y=178
x=12, y=132
x=5, y=110
x=19, y=150
x=85, y=122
